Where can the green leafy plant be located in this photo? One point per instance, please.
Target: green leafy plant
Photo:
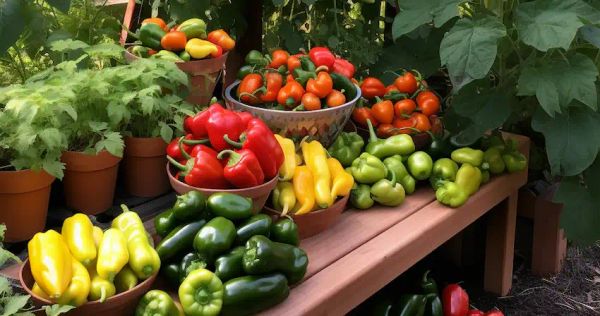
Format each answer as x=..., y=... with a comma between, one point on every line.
x=11, y=303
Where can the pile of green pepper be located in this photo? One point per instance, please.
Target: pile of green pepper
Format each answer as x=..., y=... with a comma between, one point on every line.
x=223, y=258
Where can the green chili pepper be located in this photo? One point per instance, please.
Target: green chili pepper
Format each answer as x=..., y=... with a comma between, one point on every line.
x=259, y=224
x=493, y=158
x=230, y=206
x=185, y=56
x=515, y=161
x=468, y=155
x=265, y=256
x=251, y=294
x=444, y=169
x=156, y=302
x=341, y=82
x=433, y=306
x=346, y=148
x=214, y=238
x=412, y=305
x=420, y=165
x=165, y=222
x=395, y=145
x=388, y=192
x=285, y=231
x=189, y=206
x=256, y=58
x=394, y=163
x=150, y=34
x=428, y=284
x=451, y=194
x=368, y=169
x=244, y=71
x=201, y=293
x=229, y=266
x=468, y=178
x=360, y=196
x=179, y=240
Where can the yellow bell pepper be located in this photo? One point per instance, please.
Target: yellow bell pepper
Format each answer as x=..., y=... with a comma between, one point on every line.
x=37, y=290
x=50, y=262
x=144, y=260
x=97, y=233
x=79, y=288
x=299, y=160
x=198, y=48
x=125, y=280
x=286, y=172
x=304, y=190
x=112, y=254
x=315, y=157
x=341, y=180
x=101, y=289
x=284, y=198
x=77, y=231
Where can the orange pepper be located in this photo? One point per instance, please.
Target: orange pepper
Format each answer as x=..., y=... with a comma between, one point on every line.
x=291, y=94
x=279, y=58
x=385, y=130
x=404, y=107
x=383, y=111
x=421, y=121
x=249, y=90
x=310, y=102
x=335, y=98
x=293, y=62
x=273, y=83
x=321, y=86
x=361, y=115
x=174, y=41
x=158, y=21
x=221, y=38
x=404, y=126
x=391, y=88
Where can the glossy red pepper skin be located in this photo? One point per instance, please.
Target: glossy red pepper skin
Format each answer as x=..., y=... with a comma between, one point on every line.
x=198, y=148
x=475, y=312
x=246, y=117
x=344, y=68
x=174, y=149
x=202, y=171
x=223, y=123
x=322, y=56
x=455, y=301
x=494, y=312
x=372, y=87
x=242, y=169
x=198, y=123
x=273, y=83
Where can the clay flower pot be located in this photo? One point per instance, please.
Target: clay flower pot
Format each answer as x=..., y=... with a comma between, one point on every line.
x=24, y=197
x=90, y=181
x=144, y=165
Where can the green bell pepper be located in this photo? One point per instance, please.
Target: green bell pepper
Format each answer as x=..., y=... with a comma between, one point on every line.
x=265, y=256
x=150, y=35
x=165, y=222
x=420, y=165
x=412, y=305
x=285, y=231
x=190, y=206
x=140, y=51
x=440, y=146
x=189, y=263
x=230, y=266
x=485, y=176
x=201, y=293
x=474, y=157
x=395, y=145
x=388, y=192
x=185, y=56
x=179, y=240
x=251, y=294
x=214, y=238
x=360, y=196
x=230, y=206
x=493, y=159
x=451, y=194
x=341, y=82
x=166, y=55
x=515, y=161
x=171, y=273
x=244, y=71
x=433, y=305
x=193, y=28
x=259, y=224
x=394, y=163
x=428, y=284
x=368, y=169
x=256, y=58
x=444, y=169
x=469, y=178
x=156, y=303
x=346, y=148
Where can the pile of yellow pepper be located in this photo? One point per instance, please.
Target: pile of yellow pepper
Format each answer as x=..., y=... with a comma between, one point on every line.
x=84, y=263
x=308, y=180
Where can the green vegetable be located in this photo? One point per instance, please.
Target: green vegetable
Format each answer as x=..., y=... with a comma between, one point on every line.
x=193, y=28
x=440, y=147
x=468, y=155
x=493, y=158
x=256, y=58
x=190, y=206
x=485, y=176
x=469, y=178
x=244, y=71
x=230, y=206
x=420, y=165
x=179, y=240
x=230, y=266
x=412, y=305
x=265, y=256
x=171, y=273
x=341, y=82
x=346, y=148
x=433, y=305
x=185, y=56
x=444, y=169
x=156, y=303
x=201, y=293
x=251, y=294
x=395, y=145
x=285, y=231
x=394, y=163
x=165, y=222
x=368, y=169
x=150, y=35
x=259, y=224
x=166, y=55
x=451, y=194
x=515, y=161
x=140, y=51
x=360, y=196
x=388, y=192
x=215, y=238
x=189, y=263
x=428, y=284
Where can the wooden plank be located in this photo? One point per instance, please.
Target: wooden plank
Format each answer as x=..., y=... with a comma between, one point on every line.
x=549, y=242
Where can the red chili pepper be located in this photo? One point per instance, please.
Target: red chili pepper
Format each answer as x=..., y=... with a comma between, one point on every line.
x=273, y=83
x=198, y=123
x=344, y=68
x=260, y=140
x=202, y=171
x=249, y=90
x=279, y=57
x=175, y=147
x=475, y=312
x=372, y=87
x=223, y=123
x=242, y=169
x=455, y=301
x=322, y=56
x=321, y=86
x=246, y=117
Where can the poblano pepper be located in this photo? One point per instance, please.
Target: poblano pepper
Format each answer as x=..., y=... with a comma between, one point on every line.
x=190, y=206
x=420, y=165
x=190, y=262
x=515, y=161
x=412, y=305
x=179, y=240
x=171, y=273
x=265, y=256
x=395, y=145
x=230, y=206
x=346, y=148
x=451, y=194
x=433, y=306
x=394, y=163
x=259, y=224
x=156, y=303
x=165, y=222
x=214, y=238
x=469, y=178
x=360, y=196
x=444, y=169
x=388, y=192
x=201, y=293
x=368, y=169
x=474, y=157
x=248, y=295
x=229, y=266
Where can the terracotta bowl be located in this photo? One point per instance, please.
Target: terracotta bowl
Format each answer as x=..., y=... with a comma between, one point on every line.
x=122, y=304
x=323, y=125
x=258, y=194
x=421, y=140
x=312, y=223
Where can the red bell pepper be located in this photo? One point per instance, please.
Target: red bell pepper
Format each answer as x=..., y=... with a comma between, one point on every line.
x=175, y=147
x=344, y=68
x=322, y=56
x=494, y=312
x=198, y=123
x=475, y=312
x=202, y=171
x=242, y=169
x=202, y=148
x=259, y=139
x=455, y=301
x=224, y=123
x=372, y=87
x=246, y=117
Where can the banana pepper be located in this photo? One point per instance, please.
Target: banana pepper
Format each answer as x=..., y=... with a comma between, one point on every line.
x=342, y=181
x=469, y=178
x=79, y=288
x=199, y=49
x=286, y=172
x=50, y=262
x=125, y=279
x=303, y=188
x=112, y=254
x=77, y=231
x=315, y=157
x=284, y=198
x=100, y=289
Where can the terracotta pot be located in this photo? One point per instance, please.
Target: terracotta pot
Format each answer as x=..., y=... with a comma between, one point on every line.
x=122, y=304
x=24, y=197
x=313, y=223
x=90, y=181
x=259, y=194
x=143, y=166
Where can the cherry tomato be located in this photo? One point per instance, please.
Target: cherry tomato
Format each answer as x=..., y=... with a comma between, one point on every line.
x=311, y=102
x=383, y=111
x=391, y=88
x=406, y=83
x=404, y=107
x=279, y=57
x=335, y=98
x=423, y=95
x=360, y=116
x=428, y=104
x=421, y=121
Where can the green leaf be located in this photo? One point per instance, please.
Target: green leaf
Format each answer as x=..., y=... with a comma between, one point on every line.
x=52, y=137
x=12, y=22
x=56, y=309
x=546, y=24
x=469, y=49
x=415, y=13
x=6, y=255
x=291, y=37
x=557, y=83
x=166, y=132
x=98, y=126
x=54, y=168
x=62, y=5
x=13, y=304
x=591, y=34
x=67, y=45
x=570, y=137
x=113, y=143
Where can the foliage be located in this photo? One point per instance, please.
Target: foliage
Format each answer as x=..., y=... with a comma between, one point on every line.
x=10, y=303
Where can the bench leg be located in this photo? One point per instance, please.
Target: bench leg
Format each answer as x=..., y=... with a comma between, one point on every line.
x=500, y=242
x=549, y=243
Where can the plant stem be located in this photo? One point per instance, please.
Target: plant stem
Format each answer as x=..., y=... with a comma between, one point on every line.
x=335, y=17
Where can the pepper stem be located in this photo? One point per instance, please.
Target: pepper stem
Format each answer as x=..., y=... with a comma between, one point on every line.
x=183, y=152
x=125, y=208
x=234, y=157
x=232, y=142
x=393, y=181
x=195, y=141
x=176, y=164
x=285, y=210
x=322, y=68
x=372, y=135
x=102, y=294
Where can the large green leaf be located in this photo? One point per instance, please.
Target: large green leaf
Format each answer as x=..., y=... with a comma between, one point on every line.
x=62, y=5
x=591, y=34
x=571, y=138
x=557, y=83
x=469, y=49
x=415, y=13
x=12, y=22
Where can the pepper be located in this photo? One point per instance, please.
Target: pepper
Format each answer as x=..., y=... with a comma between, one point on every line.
x=193, y=28
x=189, y=206
x=256, y=58
x=177, y=146
x=321, y=86
x=37, y=290
x=221, y=38
x=444, y=169
x=158, y=21
x=171, y=273
x=199, y=122
x=420, y=165
x=344, y=68
x=179, y=240
x=475, y=312
x=245, y=70
x=412, y=305
x=468, y=155
x=372, y=87
x=388, y=192
x=140, y=51
x=291, y=94
x=360, y=196
x=468, y=178
x=250, y=90
x=100, y=289
x=368, y=169
x=202, y=171
x=264, y=256
x=341, y=82
x=273, y=83
x=485, y=176
x=383, y=111
x=451, y=194
x=165, y=222
x=125, y=280
x=112, y=254
x=395, y=145
x=303, y=183
x=394, y=163
x=286, y=172
x=77, y=291
x=156, y=303
x=214, y=238
x=230, y=266
x=433, y=307
x=143, y=259
x=515, y=161
x=315, y=158
x=283, y=197
x=190, y=262
x=77, y=232
x=428, y=284
x=198, y=48
x=248, y=295
x=150, y=35
x=174, y=41
x=185, y=56
x=201, y=294
x=335, y=98
x=242, y=168
x=440, y=146
x=455, y=300
x=98, y=234
x=322, y=56
x=493, y=158
x=230, y=206
x=259, y=224
x=346, y=148
x=341, y=181
x=245, y=117
x=285, y=231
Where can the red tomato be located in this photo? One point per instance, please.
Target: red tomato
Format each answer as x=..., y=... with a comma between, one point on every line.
x=406, y=83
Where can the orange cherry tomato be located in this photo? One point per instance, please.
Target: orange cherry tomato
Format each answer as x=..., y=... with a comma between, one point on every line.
x=385, y=130
x=429, y=104
x=404, y=126
x=406, y=83
x=425, y=95
x=311, y=102
x=404, y=107
x=158, y=21
x=361, y=115
x=174, y=41
x=279, y=58
x=335, y=98
x=391, y=88
x=421, y=121
x=293, y=62
x=383, y=111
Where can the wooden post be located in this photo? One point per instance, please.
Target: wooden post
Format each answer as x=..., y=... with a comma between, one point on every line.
x=549, y=242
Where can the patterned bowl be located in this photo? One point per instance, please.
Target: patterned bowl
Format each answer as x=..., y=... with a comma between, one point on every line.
x=323, y=125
